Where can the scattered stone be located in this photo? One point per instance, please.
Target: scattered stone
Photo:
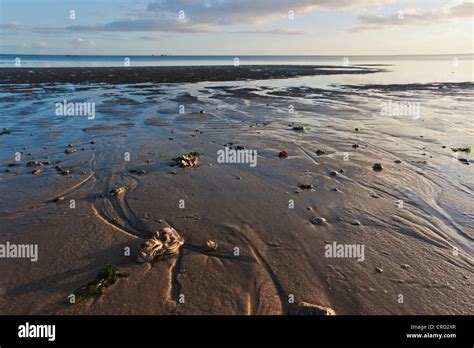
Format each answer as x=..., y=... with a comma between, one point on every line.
x=320, y=152
x=356, y=223
x=58, y=199
x=333, y=173
x=240, y=147
x=379, y=269
x=306, y=186
x=202, y=112
x=283, y=154
x=397, y=161
x=65, y=172
x=211, y=245
x=444, y=146
x=118, y=191
x=464, y=161
x=93, y=141
x=38, y=171
x=309, y=208
x=377, y=167
x=341, y=170
x=355, y=146
x=298, y=128
x=357, y=129
x=138, y=171
x=173, y=172
x=405, y=266
x=335, y=189
x=70, y=151
x=318, y=221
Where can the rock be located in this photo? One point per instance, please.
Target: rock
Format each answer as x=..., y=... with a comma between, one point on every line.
x=38, y=171
x=211, y=245
x=118, y=191
x=93, y=141
x=283, y=154
x=355, y=146
x=464, y=161
x=65, y=171
x=335, y=189
x=58, y=199
x=202, y=112
x=70, y=151
x=377, y=167
x=356, y=223
x=405, y=266
x=318, y=221
x=333, y=173
x=173, y=172
x=298, y=128
x=240, y=147
x=397, y=161
x=320, y=152
x=379, y=269
x=138, y=171
x=357, y=129
x=305, y=308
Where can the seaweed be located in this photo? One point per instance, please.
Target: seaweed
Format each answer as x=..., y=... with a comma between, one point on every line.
x=466, y=149
x=109, y=276
x=190, y=159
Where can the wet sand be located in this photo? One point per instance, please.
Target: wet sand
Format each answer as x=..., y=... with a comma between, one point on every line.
x=281, y=258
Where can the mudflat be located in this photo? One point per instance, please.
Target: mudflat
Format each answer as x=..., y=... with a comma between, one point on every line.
x=386, y=190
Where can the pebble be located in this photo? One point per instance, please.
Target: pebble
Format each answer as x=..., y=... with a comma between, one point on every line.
x=379, y=269
x=333, y=173
x=377, y=167
x=355, y=146
x=38, y=171
x=320, y=152
x=283, y=154
x=211, y=245
x=356, y=223
x=69, y=151
x=298, y=128
x=306, y=186
x=318, y=221
x=58, y=199
x=405, y=266
x=397, y=161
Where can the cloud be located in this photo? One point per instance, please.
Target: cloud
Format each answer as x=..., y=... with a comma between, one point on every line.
x=439, y=15
x=209, y=16
x=269, y=32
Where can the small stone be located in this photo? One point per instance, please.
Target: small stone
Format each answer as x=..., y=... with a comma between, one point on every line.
x=58, y=199
x=397, y=161
x=320, y=152
x=173, y=172
x=202, y=112
x=355, y=146
x=38, y=171
x=309, y=208
x=118, y=191
x=65, y=171
x=377, y=167
x=211, y=245
x=298, y=128
x=333, y=173
x=405, y=266
x=357, y=129
x=70, y=151
x=335, y=189
x=356, y=223
x=240, y=147
x=93, y=141
x=379, y=269
x=306, y=186
x=283, y=154
x=318, y=221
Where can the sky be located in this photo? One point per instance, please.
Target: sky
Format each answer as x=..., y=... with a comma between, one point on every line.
x=236, y=27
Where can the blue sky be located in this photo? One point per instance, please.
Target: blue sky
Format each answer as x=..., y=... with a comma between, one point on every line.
x=321, y=27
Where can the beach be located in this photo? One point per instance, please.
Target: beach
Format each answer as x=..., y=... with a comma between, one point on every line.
x=277, y=220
